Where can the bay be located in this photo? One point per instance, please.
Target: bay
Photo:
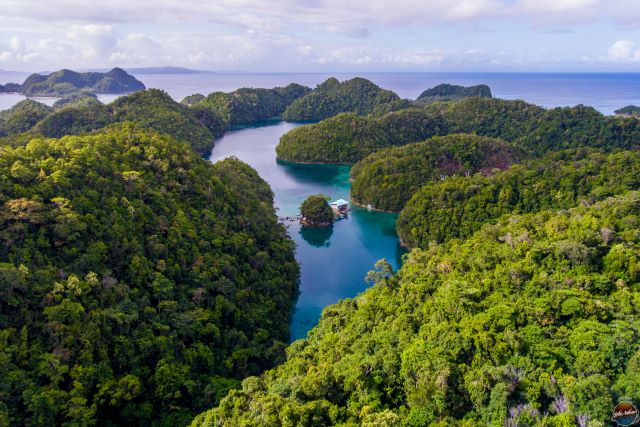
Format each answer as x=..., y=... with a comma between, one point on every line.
x=333, y=261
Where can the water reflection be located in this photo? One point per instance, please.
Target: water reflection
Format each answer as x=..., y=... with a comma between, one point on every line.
x=317, y=236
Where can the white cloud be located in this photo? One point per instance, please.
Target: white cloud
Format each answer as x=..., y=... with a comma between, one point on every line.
x=351, y=17
x=279, y=34
x=623, y=51
x=17, y=44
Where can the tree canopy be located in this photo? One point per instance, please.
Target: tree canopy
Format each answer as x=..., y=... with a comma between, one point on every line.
x=389, y=177
x=531, y=127
x=448, y=92
x=458, y=206
x=138, y=282
x=67, y=82
x=22, y=116
x=631, y=110
x=530, y=321
x=357, y=95
x=248, y=105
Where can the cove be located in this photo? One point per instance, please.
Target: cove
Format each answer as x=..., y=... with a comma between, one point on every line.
x=333, y=261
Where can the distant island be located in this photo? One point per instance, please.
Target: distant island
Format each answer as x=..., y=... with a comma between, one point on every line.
x=65, y=83
x=165, y=70
x=447, y=92
x=629, y=111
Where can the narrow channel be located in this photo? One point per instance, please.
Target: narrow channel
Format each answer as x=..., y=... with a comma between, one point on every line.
x=333, y=261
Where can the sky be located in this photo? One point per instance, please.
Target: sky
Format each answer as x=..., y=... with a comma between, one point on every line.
x=322, y=35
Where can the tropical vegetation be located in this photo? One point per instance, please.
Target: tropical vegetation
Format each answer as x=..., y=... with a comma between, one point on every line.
x=530, y=321
x=357, y=95
x=138, y=282
x=66, y=82
x=388, y=178
x=458, y=206
x=248, y=105
x=526, y=125
x=446, y=92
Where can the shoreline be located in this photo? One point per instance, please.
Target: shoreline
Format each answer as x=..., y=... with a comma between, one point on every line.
x=355, y=202
x=292, y=162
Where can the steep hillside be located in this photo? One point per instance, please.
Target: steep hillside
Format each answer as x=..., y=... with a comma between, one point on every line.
x=458, y=206
x=532, y=321
x=357, y=95
x=389, y=177
x=138, y=282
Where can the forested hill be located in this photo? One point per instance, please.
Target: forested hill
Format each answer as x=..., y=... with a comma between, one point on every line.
x=138, y=282
x=357, y=95
x=388, y=178
x=529, y=126
x=248, y=105
x=460, y=205
x=447, y=92
x=66, y=82
x=532, y=321
x=198, y=120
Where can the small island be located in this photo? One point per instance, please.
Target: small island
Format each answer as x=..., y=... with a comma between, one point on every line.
x=315, y=211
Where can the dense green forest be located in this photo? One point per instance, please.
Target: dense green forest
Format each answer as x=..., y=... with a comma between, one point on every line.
x=10, y=88
x=248, y=105
x=526, y=125
x=357, y=95
x=138, y=282
x=152, y=108
x=324, y=142
x=65, y=83
x=531, y=321
x=388, y=178
x=447, y=92
x=458, y=206
x=77, y=100
x=198, y=120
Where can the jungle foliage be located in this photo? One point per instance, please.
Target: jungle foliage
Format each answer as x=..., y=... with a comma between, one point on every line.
x=22, y=117
x=389, y=177
x=447, y=92
x=458, y=206
x=531, y=127
x=532, y=321
x=316, y=210
x=332, y=97
x=138, y=282
x=248, y=105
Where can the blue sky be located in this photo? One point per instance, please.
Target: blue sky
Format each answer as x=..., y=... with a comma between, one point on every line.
x=323, y=35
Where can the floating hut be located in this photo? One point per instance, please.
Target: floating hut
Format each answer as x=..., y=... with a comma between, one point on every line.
x=340, y=207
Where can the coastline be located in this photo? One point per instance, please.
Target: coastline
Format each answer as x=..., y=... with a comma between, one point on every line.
x=359, y=204
x=292, y=162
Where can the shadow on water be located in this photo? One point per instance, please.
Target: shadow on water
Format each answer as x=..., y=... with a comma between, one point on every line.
x=317, y=237
x=327, y=175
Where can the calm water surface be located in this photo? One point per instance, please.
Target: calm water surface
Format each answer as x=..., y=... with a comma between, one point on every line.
x=333, y=261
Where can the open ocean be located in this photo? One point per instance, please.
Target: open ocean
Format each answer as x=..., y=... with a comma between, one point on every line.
x=604, y=91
